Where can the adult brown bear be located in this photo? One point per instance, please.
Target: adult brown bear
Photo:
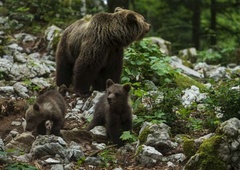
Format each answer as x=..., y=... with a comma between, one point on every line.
x=90, y=52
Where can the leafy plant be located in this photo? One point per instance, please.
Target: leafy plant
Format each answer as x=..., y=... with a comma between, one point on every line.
x=128, y=136
x=20, y=166
x=107, y=158
x=32, y=86
x=144, y=61
x=157, y=106
x=223, y=100
x=195, y=124
x=218, y=55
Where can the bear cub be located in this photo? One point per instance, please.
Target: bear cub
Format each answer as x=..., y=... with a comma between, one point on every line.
x=113, y=111
x=46, y=115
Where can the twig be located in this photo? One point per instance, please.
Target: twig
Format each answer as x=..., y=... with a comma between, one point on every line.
x=98, y=151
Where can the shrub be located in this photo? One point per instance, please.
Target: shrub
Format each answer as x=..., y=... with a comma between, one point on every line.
x=224, y=101
x=218, y=55
x=144, y=61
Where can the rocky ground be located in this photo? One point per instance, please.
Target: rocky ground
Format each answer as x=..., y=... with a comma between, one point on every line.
x=11, y=127
x=27, y=69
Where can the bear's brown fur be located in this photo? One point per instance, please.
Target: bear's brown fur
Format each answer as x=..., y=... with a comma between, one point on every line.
x=90, y=52
x=49, y=106
x=113, y=111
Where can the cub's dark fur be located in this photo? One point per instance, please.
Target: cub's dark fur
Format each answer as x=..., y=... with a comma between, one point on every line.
x=114, y=111
x=49, y=106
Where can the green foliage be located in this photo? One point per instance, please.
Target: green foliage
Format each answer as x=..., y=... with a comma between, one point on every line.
x=32, y=86
x=108, y=158
x=144, y=61
x=224, y=101
x=81, y=161
x=196, y=120
x=128, y=136
x=218, y=55
x=20, y=166
x=31, y=100
x=196, y=124
x=157, y=106
x=146, y=68
x=42, y=10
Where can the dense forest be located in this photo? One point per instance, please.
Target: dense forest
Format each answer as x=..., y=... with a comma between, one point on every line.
x=201, y=24
x=185, y=87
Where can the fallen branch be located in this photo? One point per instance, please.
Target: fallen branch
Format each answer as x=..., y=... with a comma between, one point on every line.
x=98, y=151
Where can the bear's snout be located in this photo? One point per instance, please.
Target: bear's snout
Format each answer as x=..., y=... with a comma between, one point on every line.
x=110, y=98
x=149, y=28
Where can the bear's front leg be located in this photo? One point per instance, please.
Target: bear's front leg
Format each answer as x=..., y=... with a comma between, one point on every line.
x=84, y=76
x=113, y=130
x=56, y=128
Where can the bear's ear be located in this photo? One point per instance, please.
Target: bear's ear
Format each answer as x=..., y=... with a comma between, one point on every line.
x=117, y=9
x=127, y=87
x=36, y=107
x=109, y=83
x=131, y=18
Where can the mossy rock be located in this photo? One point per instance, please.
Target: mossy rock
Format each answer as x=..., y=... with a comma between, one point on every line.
x=207, y=156
x=184, y=81
x=189, y=147
x=143, y=135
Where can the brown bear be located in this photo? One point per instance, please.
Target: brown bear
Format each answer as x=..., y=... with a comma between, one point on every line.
x=90, y=52
x=113, y=111
x=49, y=107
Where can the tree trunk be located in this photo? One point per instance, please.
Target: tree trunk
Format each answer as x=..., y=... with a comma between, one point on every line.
x=112, y=4
x=213, y=22
x=196, y=24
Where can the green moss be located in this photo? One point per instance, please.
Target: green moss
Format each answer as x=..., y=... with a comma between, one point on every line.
x=139, y=150
x=2, y=52
x=207, y=156
x=143, y=136
x=3, y=11
x=56, y=39
x=186, y=82
x=187, y=63
x=189, y=147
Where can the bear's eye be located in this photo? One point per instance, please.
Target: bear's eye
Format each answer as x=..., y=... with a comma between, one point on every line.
x=117, y=94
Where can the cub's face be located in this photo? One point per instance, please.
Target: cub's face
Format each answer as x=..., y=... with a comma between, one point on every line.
x=116, y=93
x=32, y=117
x=136, y=21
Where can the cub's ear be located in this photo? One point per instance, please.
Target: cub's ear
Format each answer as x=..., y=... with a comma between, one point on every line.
x=109, y=83
x=36, y=107
x=127, y=87
x=117, y=9
x=131, y=18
